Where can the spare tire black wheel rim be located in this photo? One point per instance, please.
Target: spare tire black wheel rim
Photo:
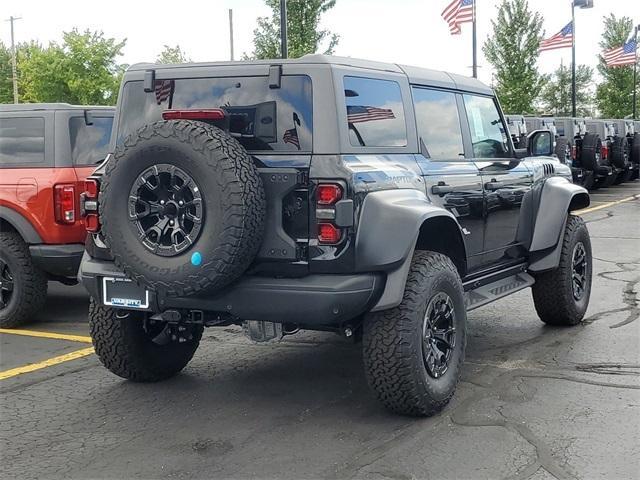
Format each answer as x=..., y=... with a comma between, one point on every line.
x=165, y=204
x=579, y=271
x=438, y=334
x=6, y=284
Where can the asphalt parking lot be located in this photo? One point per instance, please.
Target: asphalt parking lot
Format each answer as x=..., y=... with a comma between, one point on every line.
x=535, y=401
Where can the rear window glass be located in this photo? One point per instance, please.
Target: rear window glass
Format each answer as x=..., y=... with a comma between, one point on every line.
x=438, y=123
x=375, y=114
x=22, y=142
x=261, y=118
x=89, y=143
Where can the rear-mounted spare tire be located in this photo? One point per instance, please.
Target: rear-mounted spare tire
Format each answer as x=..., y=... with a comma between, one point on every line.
x=182, y=207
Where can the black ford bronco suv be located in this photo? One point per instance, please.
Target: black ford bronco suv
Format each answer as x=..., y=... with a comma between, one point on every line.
x=378, y=201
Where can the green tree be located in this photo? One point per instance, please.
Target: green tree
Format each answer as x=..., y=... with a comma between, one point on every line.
x=614, y=94
x=6, y=75
x=303, y=33
x=82, y=70
x=172, y=55
x=556, y=94
x=512, y=50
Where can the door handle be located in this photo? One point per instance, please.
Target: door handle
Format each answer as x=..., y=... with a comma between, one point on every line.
x=493, y=185
x=441, y=189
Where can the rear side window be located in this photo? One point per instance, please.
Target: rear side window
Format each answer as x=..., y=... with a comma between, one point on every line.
x=375, y=114
x=438, y=123
x=89, y=143
x=22, y=142
x=260, y=118
x=487, y=131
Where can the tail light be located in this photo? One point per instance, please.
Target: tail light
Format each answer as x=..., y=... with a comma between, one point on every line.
x=574, y=152
x=64, y=203
x=327, y=195
x=605, y=151
x=89, y=206
x=202, y=114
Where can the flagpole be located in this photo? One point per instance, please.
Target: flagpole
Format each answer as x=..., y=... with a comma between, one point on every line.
x=635, y=75
x=573, y=60
x=475, y=55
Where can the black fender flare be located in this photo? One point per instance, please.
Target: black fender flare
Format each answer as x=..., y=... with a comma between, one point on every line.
x=20, y=225
x=388, y=230
x=558, y=198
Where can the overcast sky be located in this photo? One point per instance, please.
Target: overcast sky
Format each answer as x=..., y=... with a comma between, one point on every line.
x=401, y=31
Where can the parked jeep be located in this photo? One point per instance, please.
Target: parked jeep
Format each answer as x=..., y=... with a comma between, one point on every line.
x=632, y=132
x=568, y=135
x=615, y=152
x=374, y=200
x=46, y=152
x=518, y=130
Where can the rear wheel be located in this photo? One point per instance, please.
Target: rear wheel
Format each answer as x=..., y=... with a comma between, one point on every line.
x=138, y=349
x=413, y=353
x=23, y=287
x=591, y=152
x=561, y=296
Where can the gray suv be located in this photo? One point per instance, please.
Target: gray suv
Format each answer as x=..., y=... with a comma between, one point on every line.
x=378, y=201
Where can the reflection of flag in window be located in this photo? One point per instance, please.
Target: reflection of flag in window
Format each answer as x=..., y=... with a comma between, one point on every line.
x=163, y=89
x=291, y=136
x=360, y=114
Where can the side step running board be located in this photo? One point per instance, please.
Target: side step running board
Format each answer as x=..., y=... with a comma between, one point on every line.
x=500, y=288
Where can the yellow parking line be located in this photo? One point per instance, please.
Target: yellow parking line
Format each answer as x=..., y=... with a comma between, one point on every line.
x=606, y=205
x=46, y=363
x=55, y=336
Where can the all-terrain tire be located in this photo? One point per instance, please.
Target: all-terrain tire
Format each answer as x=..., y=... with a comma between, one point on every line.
x=635, y=149
x=591, y=151
x=393, y=341
x=127, y=349
x=624, y=176
x=232, y=200
x=561, y=151
x=553, y=291
x=620, y=152
x=24, y=285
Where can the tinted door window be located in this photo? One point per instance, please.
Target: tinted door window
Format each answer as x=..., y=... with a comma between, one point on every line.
x=487, y=130
x=260, y=118
x=89, y=143
x=375, y=114
x=438, y=123
x=22, y=142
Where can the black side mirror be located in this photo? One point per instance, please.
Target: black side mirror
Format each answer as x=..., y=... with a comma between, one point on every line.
x=540, y=143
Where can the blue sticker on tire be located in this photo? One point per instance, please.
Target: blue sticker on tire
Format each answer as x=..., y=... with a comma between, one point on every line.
x=196, y=259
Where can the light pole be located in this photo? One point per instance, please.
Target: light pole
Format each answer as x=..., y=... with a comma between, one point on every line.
x=283, y=29
x=14, y=71
x=582, y=4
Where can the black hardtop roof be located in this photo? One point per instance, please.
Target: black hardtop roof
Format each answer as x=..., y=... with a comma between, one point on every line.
x=417, y=75
x=30, y=107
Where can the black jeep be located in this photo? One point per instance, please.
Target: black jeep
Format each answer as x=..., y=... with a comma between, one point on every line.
x=374, y=200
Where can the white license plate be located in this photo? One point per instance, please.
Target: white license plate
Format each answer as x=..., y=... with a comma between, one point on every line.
x=122, y=292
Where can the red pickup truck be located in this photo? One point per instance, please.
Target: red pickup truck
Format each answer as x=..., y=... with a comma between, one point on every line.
x=46, y=152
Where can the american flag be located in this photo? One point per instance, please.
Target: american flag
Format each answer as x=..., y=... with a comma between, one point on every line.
x=163, y=89
x=457, y=13
x=291, y=136
x=562, y=39
x=360, y=114
x=624, y=55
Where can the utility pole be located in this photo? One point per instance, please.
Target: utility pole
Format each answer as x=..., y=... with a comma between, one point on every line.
x=14, y=70
x=231, y=32
x=283, y=29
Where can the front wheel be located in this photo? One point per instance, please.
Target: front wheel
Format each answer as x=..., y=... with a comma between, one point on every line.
x=561, y=296
x=413, y=353
x=138, y=349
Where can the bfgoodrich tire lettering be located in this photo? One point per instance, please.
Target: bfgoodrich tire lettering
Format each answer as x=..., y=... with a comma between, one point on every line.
x=553, y=291
x=126, y=349
x=232, y=197
x=393, y=341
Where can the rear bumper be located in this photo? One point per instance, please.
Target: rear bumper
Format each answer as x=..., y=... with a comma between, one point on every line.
x=320, y=299
x=57, y=260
